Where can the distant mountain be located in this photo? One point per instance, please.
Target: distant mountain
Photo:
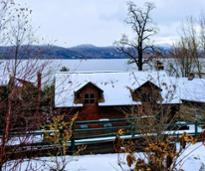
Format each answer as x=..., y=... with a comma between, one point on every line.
x=42, y=52
x=85, y=46
x=90, y=51
x=86, y=51
x=55, y=52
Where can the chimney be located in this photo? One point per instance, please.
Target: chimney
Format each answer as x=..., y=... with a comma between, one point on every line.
x=38, y=98
x=191, y=76
x=159, y=65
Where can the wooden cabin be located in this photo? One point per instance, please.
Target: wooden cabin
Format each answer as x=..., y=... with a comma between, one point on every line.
x=114, y=95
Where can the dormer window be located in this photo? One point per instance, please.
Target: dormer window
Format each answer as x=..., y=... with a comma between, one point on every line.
x=89, y=94
x=89, y=98
x=147, y=92
x=145, y=97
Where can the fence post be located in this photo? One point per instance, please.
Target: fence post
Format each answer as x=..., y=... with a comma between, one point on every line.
x=196, y=128
x=72, y=140
x=72, y=145
x=132, y=129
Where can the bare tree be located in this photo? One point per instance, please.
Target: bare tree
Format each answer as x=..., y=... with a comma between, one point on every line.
x=21, y=98
x=140, y=21
x=190, y=48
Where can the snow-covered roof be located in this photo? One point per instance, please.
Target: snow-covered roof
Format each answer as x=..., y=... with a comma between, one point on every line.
x=190, y=90
x=116, y=87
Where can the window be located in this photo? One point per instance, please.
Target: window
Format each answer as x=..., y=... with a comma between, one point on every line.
x=145, y=97
x=89, y=98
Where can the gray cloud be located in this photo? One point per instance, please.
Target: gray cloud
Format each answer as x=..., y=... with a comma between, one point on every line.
x=100, y=22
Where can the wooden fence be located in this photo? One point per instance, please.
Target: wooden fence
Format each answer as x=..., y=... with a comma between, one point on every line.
x=96, y=132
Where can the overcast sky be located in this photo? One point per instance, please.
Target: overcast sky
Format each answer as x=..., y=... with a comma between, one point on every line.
x=101, y=22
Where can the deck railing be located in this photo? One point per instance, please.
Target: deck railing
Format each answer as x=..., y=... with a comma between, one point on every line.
x=105, y=130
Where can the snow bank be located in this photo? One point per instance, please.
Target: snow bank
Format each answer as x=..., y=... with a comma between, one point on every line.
x=193, y=159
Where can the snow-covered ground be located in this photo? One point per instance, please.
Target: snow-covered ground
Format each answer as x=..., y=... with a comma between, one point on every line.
x=193, y=159
x=29, y=139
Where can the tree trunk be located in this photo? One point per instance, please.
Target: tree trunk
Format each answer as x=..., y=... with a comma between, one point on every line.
x=140, y=57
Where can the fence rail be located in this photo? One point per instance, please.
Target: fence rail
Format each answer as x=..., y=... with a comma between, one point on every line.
x=99, y=131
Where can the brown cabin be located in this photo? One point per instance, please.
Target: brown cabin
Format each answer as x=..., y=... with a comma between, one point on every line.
x=89, y=100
